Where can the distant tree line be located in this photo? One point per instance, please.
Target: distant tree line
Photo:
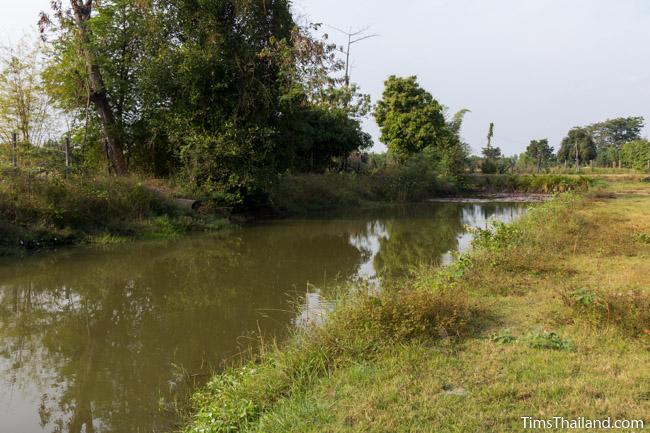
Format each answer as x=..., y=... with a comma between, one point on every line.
x=615, y=143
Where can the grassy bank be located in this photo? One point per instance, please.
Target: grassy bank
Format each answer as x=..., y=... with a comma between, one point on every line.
x=46, y=212
x=531, y=183
x=545, y=317
x=317, y=192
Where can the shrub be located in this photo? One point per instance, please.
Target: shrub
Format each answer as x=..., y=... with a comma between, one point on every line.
x=543, y=183
x=547, y=340
x=503, y=337
x=40, y=211
x=628, y=310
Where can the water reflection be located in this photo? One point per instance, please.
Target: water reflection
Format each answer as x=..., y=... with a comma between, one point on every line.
x=95, y=340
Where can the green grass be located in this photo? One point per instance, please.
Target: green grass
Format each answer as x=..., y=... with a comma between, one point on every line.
x=545, y=317
x=532, y=183
x=38, y=212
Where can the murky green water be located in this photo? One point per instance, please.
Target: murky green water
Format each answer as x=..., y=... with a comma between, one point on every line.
x=105, y=340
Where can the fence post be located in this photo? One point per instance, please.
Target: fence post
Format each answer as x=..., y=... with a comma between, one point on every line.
x=66, y=150
x=14, y=146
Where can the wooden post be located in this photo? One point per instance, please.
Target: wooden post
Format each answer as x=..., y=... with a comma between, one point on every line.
x=66, y=150
x=108, y=156
x=14, y=146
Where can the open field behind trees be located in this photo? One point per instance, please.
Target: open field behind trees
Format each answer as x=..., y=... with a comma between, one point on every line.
x=549, y=316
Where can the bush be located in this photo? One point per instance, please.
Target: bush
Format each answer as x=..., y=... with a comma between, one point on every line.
x=636, y=155
x=544, y=183
x=628, y=310
x=39, y=211
x=547, y=340
x=412, y=181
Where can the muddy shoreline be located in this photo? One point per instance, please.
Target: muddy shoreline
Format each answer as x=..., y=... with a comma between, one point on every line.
x=495, y=198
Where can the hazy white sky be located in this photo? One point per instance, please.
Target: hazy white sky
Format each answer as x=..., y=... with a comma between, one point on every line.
x=533, y=67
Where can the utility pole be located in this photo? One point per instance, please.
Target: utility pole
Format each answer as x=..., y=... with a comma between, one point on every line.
x=577, y=158
x=353, y=38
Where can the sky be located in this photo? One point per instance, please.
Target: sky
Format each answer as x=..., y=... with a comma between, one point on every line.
x=535, y=68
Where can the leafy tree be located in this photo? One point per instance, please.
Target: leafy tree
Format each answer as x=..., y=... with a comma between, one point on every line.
x=492, y=156
x=636, y=154
x=540, y=152
x=24, y=105
x=409, y=118
x=73, y=29
x=223, y=93
x=457, y=121
x=314, y=136
x=577, y=146
x=321, y=112
x=611, y=134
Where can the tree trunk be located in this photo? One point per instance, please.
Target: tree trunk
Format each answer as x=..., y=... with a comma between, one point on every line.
x=98, y=96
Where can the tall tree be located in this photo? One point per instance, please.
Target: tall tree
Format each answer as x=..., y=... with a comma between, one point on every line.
x=611, y=134
x=24, y=105
x=577, y=146
x=74, y=28
x=491, y=155
x=490, y=135
x=540, y=152
x=410, y=118
x=636, y=154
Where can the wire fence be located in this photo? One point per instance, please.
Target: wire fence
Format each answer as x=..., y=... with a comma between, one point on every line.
x=52, y=158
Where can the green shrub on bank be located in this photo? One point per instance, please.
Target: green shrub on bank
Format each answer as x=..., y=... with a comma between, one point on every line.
x=407, y=183
x=39, y=211
x=543, y=183
x=628, y=310
x=314, y=192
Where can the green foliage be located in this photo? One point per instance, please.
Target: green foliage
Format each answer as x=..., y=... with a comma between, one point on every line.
x=223, y=95
x=314, y=136
x=611, y=134
x=503, y=337
x=497, y=237
x=409, y=118
x=603, y=143
x=580, y=139
x=584, y=297
x=457, y=121
x=39, y=212
x=415, y=179
x=540, y=153
x=24, y=106
x=627, y=309
x=539, y=339
x=493, y=160
x=636, y=154
x=545, y=183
